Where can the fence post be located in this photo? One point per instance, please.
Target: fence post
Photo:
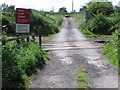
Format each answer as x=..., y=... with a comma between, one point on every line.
x=39, y=35
x=3, y=42
x=27, y=39
x=18, y=41
x=33, y=36
x=87, y=15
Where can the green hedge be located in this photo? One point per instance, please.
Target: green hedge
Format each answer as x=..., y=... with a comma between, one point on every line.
x=48, y=26
x=19, y=64
x=100, y=24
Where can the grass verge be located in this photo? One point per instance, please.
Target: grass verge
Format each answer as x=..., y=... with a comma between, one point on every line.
x=110, y=49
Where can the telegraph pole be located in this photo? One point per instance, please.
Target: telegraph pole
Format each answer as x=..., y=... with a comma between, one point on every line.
x=72, y=5
x=53, y=8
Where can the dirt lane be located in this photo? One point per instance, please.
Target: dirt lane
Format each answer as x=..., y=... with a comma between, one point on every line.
x=68, y=50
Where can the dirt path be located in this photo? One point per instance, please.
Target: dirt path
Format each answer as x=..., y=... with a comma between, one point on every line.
x=68, y=50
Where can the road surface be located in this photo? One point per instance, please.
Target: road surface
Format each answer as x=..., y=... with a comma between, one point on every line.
x=68, y=51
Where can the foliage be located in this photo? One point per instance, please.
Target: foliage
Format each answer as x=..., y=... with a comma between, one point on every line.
x=105, y=8
x=19, y=64
x=48, y=26
x=8, y=23
x=110, y=49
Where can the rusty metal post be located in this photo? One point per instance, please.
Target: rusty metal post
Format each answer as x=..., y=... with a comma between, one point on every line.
x=3, y=42
x=33, y=37
x=27, y=39
x=40, y=35
x=18, y=41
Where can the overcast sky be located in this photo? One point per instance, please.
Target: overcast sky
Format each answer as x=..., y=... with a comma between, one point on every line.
x=47, y=5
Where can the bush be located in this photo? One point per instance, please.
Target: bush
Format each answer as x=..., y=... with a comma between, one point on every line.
x=19, y=64
x=47, y=25
x=100, y=25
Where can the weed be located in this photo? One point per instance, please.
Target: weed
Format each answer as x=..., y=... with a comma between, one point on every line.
x=81, y=78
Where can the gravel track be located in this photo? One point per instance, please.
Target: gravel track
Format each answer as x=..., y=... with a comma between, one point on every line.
x=60, y=71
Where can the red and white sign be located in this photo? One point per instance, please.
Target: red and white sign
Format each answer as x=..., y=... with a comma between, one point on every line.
x=22, y=20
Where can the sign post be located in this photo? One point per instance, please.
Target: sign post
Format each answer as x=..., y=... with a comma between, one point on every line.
x=87, y=14
x=22, y=20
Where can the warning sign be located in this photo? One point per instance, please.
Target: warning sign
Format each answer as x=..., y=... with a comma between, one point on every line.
x=22, y=20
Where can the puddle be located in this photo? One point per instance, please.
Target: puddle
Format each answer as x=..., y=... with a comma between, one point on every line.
x=66, y=60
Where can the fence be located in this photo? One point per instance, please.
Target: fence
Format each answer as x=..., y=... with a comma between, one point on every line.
x=26, y=38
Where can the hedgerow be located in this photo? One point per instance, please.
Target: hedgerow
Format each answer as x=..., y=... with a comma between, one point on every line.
x=19, y=64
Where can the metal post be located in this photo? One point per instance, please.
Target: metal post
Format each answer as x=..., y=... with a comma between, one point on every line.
x=27, y=39
x=33, y=37
x=3, y=42
x=18, y=41
x=40, y=35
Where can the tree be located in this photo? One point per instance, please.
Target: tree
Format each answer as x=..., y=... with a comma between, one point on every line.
x=62, y=10
x=105, y=8
x=11, y=8
x=4, y=6
x=83, y=8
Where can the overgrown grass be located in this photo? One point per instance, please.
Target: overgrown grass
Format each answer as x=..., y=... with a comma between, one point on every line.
x=92, y=35
x=19, y=64
x=48, y=38
x=110, y=49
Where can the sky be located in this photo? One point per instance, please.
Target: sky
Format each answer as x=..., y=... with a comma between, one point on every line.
x=47, y=5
